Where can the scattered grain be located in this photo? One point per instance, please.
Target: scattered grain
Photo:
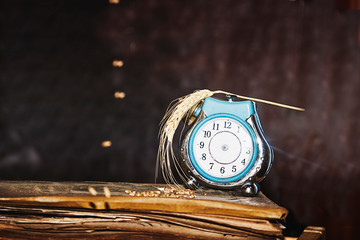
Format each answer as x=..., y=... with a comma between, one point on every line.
x=107, y=192
x=92, y=191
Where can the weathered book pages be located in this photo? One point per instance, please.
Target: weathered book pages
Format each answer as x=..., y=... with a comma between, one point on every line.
x=112, y=210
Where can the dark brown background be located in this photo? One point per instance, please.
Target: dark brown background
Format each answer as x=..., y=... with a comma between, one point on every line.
x=57, y=86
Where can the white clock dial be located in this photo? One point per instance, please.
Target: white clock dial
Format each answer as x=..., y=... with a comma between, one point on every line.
x=222, y=148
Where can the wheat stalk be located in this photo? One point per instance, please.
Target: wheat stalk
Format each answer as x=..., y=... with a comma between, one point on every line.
x=181, y=108
x=168, y=126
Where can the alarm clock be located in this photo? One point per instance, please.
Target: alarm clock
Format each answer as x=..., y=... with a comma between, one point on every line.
x=226, y=148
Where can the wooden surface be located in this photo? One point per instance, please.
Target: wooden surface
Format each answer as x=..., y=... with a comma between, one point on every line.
x=35, y=210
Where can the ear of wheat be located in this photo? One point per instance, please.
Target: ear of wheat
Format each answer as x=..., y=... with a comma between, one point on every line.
x=179, y=109
x=175, y=113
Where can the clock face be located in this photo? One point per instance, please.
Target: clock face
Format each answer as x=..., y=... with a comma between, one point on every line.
x=221, y=148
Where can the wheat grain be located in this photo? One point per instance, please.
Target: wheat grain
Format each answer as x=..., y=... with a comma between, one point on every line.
x=107, y=192
x=92, y=191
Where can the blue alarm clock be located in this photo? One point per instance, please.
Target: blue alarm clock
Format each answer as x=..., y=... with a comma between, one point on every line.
x=226, y=147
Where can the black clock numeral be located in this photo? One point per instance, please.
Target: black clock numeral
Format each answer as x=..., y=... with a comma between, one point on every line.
x=233, y=168
x=211, y=165
x=215, y=126
x=202, y=144
x=203, y=156
x=227, y=125
x=243, y=161
x=207, y=134
x=222, y=170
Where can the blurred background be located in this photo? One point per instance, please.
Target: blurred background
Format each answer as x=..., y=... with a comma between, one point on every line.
x=57, y=102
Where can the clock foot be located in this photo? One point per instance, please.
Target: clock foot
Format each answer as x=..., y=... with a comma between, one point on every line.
x=250, y=189
x=192, y=183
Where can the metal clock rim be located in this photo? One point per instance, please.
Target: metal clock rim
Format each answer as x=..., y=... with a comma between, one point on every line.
x=200, y=170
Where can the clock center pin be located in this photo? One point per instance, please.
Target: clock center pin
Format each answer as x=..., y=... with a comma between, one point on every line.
x=225, y=147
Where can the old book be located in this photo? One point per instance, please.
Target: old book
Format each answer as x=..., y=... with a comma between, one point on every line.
x=113, y=210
